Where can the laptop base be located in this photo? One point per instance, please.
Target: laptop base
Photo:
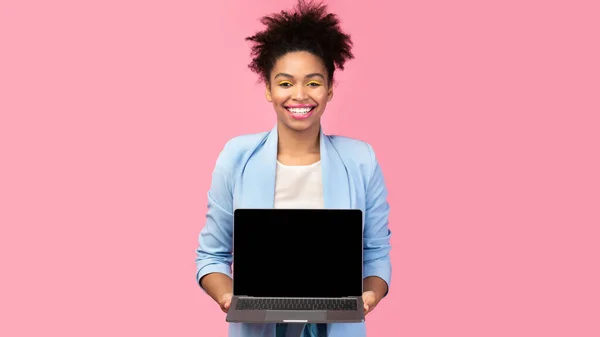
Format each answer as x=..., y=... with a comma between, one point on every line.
x=295, y=316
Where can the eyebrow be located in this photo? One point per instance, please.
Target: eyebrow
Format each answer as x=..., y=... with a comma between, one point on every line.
x=307, y=76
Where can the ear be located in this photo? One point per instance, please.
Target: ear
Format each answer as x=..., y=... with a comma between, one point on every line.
x=330, y=92
x=268, y=92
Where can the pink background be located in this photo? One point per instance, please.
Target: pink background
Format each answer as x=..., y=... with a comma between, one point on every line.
x=485, y=117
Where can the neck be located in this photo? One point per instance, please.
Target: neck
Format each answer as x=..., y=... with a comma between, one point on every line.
x=294, y=143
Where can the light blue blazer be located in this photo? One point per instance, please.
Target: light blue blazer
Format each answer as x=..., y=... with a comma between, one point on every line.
x=244, y=177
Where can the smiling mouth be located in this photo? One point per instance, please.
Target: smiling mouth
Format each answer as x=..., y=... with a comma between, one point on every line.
x=300, y=111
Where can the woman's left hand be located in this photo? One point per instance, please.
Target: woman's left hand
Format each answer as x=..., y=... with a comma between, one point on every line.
x=370, y=300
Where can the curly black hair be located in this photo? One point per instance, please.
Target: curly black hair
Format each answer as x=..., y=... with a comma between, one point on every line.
x=309, y=28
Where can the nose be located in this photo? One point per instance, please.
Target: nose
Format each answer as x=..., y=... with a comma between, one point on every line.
x=299, y=93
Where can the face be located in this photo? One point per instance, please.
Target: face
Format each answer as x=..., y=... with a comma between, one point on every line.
x=299, y=91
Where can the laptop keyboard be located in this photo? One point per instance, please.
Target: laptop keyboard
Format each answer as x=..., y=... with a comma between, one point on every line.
x=296, y=304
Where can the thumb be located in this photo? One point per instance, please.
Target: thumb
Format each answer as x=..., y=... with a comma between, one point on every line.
x=225, y=300
x=368, y=298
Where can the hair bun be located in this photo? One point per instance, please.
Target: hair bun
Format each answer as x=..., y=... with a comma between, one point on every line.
x=308, y=28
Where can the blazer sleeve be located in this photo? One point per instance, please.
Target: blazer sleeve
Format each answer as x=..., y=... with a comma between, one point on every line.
x=377, y=233
x=215, y=241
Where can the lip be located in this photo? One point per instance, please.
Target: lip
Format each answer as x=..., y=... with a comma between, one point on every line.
x=300, y=116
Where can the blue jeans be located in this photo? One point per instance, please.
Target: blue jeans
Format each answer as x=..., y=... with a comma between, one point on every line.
x=310, y=330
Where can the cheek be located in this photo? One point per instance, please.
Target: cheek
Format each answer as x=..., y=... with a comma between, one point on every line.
x=279, y=96
x=321, y=96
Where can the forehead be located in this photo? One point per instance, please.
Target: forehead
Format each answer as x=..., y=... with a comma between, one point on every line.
x=299, y=64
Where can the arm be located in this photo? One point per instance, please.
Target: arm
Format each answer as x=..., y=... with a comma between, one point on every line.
x=214, y=252
x=377, y=264
x=377, y=285
x=218, y=286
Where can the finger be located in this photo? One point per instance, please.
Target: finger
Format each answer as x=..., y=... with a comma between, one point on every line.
x=224, y=306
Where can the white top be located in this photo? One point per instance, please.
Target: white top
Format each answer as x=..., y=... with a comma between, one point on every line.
x=299, y=186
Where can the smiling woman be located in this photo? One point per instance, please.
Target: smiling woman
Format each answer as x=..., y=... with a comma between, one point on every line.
x=296, y=165
x=296, y=57
x=299, y=91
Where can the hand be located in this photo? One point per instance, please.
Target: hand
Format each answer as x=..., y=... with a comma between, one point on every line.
x=225, y=302
x=370, y=301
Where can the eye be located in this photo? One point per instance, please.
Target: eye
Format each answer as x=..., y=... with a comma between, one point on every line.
x=285, y=84
x=313, y=84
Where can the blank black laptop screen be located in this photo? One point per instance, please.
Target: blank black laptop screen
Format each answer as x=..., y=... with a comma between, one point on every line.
x=297, y=253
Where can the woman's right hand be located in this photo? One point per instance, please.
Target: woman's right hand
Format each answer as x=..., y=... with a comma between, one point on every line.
x=220, y=288
x=225, y=302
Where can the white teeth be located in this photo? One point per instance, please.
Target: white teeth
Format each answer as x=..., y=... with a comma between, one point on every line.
x=299, y=110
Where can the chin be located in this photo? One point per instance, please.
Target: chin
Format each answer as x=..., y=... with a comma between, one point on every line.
x=300, y=126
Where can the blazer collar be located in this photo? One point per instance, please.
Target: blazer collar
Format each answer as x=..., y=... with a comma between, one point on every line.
x=258, y=180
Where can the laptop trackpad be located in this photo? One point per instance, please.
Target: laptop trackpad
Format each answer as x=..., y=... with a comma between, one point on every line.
x=292, y=315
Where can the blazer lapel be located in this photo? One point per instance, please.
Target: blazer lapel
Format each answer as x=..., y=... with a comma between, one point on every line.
x=336, y=182
x=258, y=177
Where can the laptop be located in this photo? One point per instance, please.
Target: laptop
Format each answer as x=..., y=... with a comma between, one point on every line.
x=297, y=266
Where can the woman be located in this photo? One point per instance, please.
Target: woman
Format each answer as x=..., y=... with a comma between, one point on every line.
x=295, y=165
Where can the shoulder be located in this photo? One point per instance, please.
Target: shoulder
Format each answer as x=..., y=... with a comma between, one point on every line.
x=246, y=142
x=348, y=145
x=354, y=151
x=238, y=148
